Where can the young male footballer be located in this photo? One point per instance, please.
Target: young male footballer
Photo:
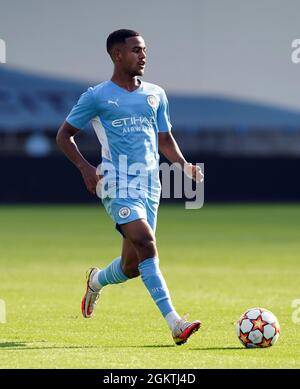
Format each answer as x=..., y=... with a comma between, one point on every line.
x=131, y=120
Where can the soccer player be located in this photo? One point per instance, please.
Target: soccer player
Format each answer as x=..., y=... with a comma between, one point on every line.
x=131, y=120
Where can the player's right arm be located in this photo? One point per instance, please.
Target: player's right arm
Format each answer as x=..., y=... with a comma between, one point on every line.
x=66, y=142
x=80, y=115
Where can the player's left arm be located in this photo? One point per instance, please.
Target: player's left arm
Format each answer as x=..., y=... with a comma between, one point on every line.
x=168, y=146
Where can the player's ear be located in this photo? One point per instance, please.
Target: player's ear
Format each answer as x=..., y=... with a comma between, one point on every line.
x=116, y=54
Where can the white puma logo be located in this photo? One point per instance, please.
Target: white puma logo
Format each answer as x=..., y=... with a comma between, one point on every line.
x=113, y=102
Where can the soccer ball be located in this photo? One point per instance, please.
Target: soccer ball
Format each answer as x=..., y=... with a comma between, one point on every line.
x=258, y=327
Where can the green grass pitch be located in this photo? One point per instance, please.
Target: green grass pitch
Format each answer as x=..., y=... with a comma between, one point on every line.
x=218, y=261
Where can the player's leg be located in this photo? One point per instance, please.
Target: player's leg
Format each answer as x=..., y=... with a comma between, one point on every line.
x=130, y=261
x=119, y=270
x=142, y=238
x=126, y=266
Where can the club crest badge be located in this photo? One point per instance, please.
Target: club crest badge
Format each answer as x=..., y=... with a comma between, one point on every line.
x=124, y=212
x=152, y=101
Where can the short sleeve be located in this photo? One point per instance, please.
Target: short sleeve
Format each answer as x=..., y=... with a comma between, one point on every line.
x=163, y=116
x=83, y=111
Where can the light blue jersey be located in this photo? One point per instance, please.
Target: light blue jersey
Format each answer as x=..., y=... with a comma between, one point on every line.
x=127, y=126
x=126, y=123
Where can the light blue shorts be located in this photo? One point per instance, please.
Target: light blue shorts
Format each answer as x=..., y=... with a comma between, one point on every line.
x=126, y=210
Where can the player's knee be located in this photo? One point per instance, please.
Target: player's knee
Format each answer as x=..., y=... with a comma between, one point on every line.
x=146, y=245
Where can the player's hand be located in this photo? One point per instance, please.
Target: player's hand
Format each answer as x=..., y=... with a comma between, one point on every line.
x=194, y=172
x=90, y=177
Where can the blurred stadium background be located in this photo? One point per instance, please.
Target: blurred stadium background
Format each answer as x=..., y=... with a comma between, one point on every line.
x=250, y=146
x=251, y=151
x=234, y=98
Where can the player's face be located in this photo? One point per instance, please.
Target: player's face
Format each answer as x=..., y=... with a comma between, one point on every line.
x=133, y=58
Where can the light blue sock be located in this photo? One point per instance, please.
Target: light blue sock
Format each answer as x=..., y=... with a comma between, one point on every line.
x=156, y=285
x=112, y=274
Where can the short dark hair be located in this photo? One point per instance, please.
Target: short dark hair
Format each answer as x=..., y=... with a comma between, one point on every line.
x=119, y=36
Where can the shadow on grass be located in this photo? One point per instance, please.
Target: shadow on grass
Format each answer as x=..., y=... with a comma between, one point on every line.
x=12, y=345
x=29, y=346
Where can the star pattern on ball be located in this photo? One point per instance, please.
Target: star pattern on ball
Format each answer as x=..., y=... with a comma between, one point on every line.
x=265, y=343
x=258, y=324
x=244, y=338
x=258, y=327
